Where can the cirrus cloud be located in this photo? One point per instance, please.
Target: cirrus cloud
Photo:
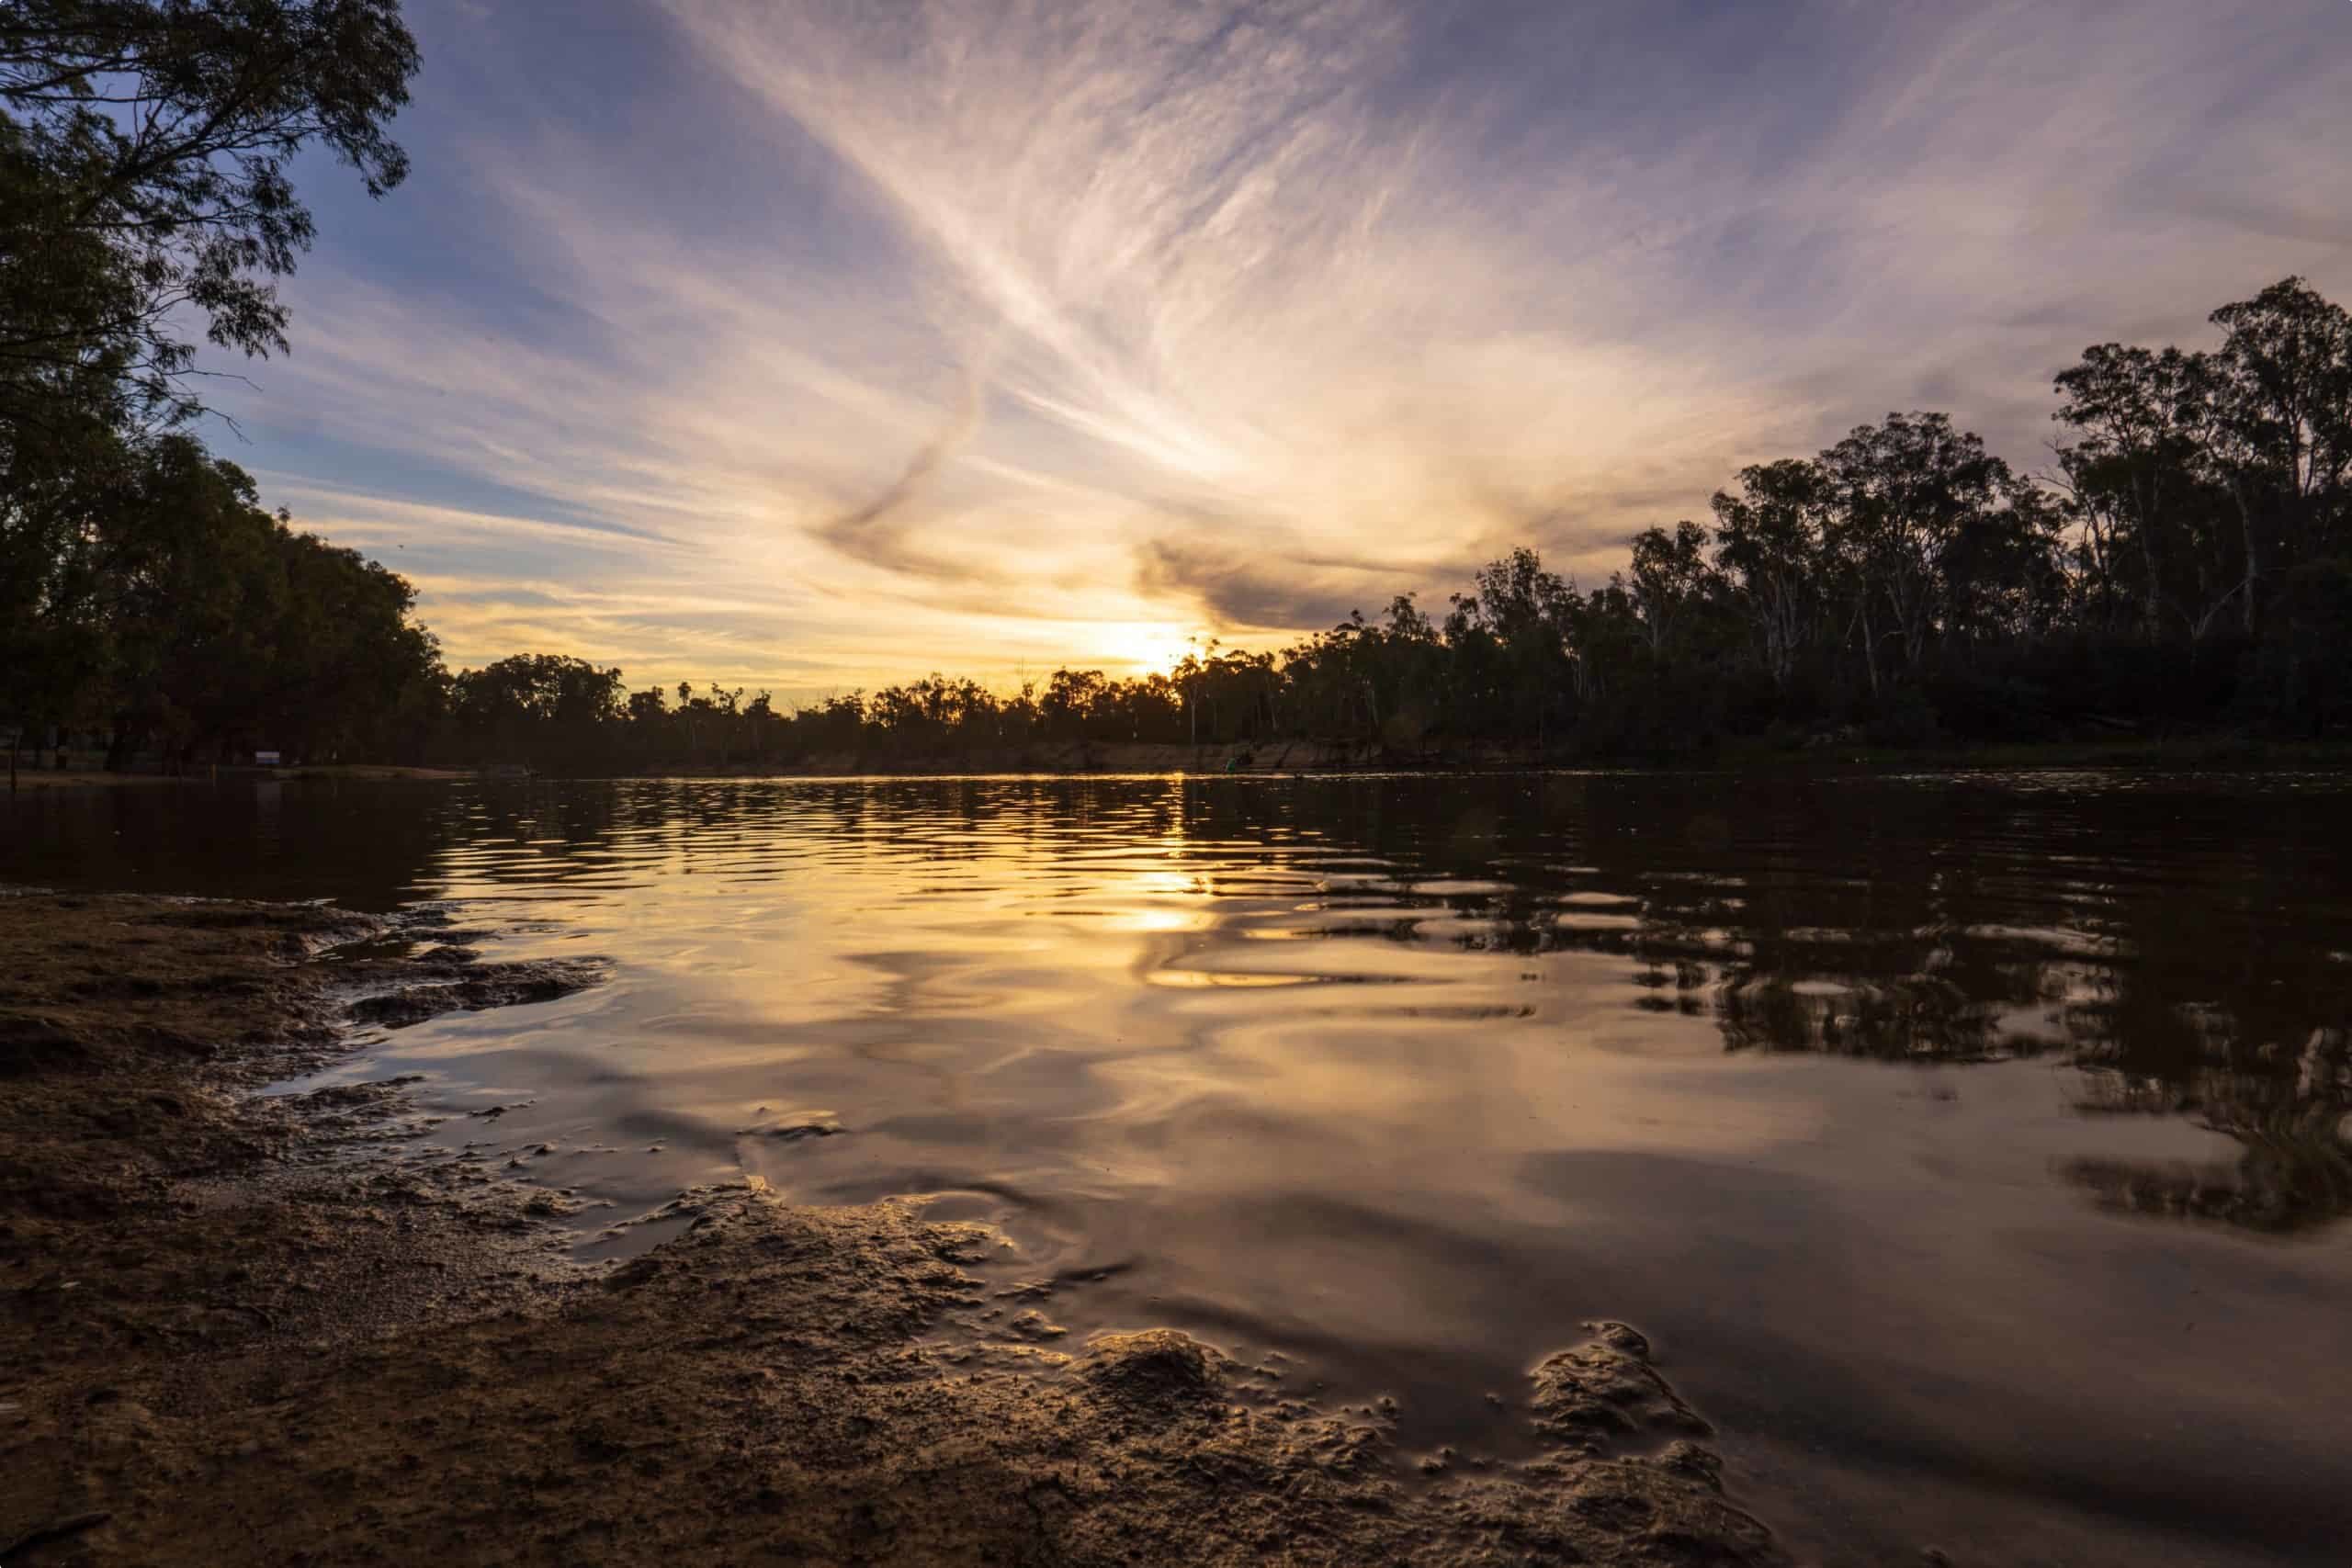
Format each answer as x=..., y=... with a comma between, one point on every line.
x=814, y=343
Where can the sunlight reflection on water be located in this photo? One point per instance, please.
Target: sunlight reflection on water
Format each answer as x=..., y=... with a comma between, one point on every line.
x=1973, y=1147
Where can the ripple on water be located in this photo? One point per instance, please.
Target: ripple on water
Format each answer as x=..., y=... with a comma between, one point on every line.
x=1987, y=1135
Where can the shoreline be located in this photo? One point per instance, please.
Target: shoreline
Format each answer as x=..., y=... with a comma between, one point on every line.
x=1078, y=759
x=270, y=1328
x=31, y=780
x=1288, y=759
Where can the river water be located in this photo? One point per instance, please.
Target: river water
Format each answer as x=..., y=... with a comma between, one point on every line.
x=1973, y=1147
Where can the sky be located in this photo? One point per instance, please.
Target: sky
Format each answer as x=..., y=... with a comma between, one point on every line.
x=807, y=345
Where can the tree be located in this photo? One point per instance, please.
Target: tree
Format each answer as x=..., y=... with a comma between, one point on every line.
x=1769, y=542
x=146, y=150
x=2281, y=397
x=1512, y=634
x=343, y=669
x=54, y=493
x=1903, y=495
x=2136, y=463
x=1672, y=585
x=168, y=605
x=1071, y=706
x=537, y=707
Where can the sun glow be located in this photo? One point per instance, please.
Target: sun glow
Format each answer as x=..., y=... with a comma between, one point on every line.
x=1144, y=648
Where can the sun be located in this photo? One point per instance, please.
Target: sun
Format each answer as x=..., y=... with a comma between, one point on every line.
x=1147, y=647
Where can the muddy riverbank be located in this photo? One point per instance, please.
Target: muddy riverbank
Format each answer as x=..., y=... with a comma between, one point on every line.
x=276, y=1328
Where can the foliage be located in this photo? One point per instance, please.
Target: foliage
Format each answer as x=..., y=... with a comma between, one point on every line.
x=146, y=150
x=180, y=617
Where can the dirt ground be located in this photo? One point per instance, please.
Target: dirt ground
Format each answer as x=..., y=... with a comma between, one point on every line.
x=247, y=1329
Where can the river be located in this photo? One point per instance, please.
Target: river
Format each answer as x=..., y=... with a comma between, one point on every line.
x=1971, y=1146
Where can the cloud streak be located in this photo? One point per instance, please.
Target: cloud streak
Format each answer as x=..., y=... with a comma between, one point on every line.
x=986, y=333
x=865, y=532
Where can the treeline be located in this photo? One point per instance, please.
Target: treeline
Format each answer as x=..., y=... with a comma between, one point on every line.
x=2187, y=563
x=2186, y=566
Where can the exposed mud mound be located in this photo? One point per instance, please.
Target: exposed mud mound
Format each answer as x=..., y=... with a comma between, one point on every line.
x=1158, y=1372
x=418, y=965
x=481, y=985
x=1604, y=1396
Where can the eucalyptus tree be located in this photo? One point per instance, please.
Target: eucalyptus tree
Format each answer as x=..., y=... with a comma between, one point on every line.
x=1675, y=589
x=2137, y=455
x=541, y=707
x=210, y=624
x=1769, y=544
x=1905, y=494
x=147, y=150
x=2281, y=397
x=1510, y=638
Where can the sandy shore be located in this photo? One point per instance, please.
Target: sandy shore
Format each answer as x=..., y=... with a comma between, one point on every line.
x=253, y=1328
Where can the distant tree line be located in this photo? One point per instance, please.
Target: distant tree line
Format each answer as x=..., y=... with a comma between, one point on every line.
x=2187, y=563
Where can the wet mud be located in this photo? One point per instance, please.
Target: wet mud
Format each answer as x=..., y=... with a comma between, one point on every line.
x=276, y=1328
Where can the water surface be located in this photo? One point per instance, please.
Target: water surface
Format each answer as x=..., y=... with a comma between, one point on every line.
x=1973, y=1147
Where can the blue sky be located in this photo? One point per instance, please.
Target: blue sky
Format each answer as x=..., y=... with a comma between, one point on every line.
x=816, y=343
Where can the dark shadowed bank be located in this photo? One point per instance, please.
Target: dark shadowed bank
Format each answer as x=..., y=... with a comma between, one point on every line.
x=274, y=1328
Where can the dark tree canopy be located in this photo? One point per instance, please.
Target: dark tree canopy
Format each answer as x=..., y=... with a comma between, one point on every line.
x=146, y=149
x=145, y=175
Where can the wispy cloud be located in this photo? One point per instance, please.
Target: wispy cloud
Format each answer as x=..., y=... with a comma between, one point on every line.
x=989, y=334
